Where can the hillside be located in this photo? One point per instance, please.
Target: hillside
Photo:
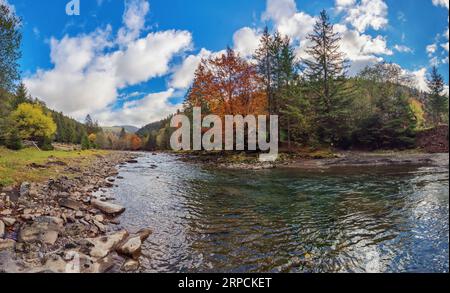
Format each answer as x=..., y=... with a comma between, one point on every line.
x=117, y=129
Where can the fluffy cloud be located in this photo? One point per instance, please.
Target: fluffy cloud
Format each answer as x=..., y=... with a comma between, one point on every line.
x=90, y=69
x=246, y=41
x=443, y=3
x=184, y=74
x=365, y=14
x=152, y=107
x=288, y=21
x=134, y=20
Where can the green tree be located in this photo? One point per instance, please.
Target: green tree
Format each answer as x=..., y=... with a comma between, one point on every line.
x=330, y=95
x=437, y=100
x=85, y=144
x=32, y=123
x=21, y=96
x=10, y=39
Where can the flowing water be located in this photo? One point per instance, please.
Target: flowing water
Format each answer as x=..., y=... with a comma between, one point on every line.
x=343, y=220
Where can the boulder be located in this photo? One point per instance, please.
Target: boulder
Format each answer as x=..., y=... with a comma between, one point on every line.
x=70, y=204
x=130, y=247
x=130, y=265
x=102, y=246
x=44, y=229
x=2, y=229
x=77, y=263
x=144, y=234
x=107, y=208
x=24, y=189
x=6, y=244
x=9, y=221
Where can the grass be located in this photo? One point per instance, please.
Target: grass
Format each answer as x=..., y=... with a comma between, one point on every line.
x=15, y=165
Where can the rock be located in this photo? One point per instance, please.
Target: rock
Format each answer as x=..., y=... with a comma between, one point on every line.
x=44, y=229
x=9, y=221
x=24, y=189
x=144, y=234
x=104, y=245
x=6, y=244
x=107, y=208
x=130, y=265
x=76, y=263
x=79, y=215
x=2, y=229
x=131, y=247
x=100, y=226
x=6, y=212
x=70, y=204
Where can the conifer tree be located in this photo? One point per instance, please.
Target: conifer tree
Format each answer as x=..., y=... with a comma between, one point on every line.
x=437, y=101
x=325, y=71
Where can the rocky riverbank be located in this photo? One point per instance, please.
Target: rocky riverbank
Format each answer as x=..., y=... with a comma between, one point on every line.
x=68, y=224
x=318, y=161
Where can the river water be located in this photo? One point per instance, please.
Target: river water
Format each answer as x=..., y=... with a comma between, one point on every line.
x=392, y=219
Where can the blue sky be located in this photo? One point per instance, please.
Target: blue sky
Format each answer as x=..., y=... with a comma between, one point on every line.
x=130, y=62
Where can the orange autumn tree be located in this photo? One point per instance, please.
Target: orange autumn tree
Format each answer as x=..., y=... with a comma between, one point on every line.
x=228, y=85
x=135, y=142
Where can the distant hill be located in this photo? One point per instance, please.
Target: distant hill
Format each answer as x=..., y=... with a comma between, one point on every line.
x=117, y=129
x=149, y=128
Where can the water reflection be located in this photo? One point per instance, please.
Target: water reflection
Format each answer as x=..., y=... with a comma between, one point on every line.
x=372, y=220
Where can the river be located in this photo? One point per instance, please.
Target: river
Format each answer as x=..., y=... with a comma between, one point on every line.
x=390, y=219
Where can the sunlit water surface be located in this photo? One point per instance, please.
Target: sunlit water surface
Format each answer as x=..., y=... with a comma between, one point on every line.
x=344, y=220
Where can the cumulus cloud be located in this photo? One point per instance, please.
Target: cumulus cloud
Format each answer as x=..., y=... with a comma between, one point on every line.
x=364, y=14
x=184, y=74
x=152, y=107
x=90, y=69
x=246, y=41
x=288, y=21
x=133, y=19
x=443, y=3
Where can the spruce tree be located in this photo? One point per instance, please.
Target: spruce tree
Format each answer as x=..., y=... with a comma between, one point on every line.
x=325, y=71
x=437, y=100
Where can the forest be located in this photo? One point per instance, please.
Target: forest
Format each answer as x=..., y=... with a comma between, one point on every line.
x=318, y=104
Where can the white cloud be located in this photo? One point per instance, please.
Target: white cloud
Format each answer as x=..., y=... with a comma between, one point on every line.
x=431, y=49
x=365, y=14
x=289, y=22
x=403, y=49
x=420, y=79
x=90, y=69
x=443, y=3
x=184, y=74
x=246, y=41
x=152, y=107
x=133, y=19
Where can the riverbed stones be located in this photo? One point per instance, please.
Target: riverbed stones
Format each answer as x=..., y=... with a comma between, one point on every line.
x=2, y=229
x=70, y=204
x=24, y=189
x=8, y=221
x=107, y=208
x=131, y=247
x=130, y=265
x=44, y=229
x=102, y=246
x=6, y=244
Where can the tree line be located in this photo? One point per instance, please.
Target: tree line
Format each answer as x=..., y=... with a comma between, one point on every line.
x=318, y=104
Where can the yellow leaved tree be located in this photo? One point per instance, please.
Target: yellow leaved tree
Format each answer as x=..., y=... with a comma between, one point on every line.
x=31, y=122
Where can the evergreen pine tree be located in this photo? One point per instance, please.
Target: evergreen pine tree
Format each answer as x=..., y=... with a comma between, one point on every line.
x=437, y=100
x=331, y=97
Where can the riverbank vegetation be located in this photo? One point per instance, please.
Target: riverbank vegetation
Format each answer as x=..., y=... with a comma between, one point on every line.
x=32, y=165
x=318, y=104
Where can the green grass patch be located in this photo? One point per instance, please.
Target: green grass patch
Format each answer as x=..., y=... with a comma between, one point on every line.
x=15, y=165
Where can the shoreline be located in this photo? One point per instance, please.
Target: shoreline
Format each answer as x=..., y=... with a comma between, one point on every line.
x=313, y=162
x=67, y=225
